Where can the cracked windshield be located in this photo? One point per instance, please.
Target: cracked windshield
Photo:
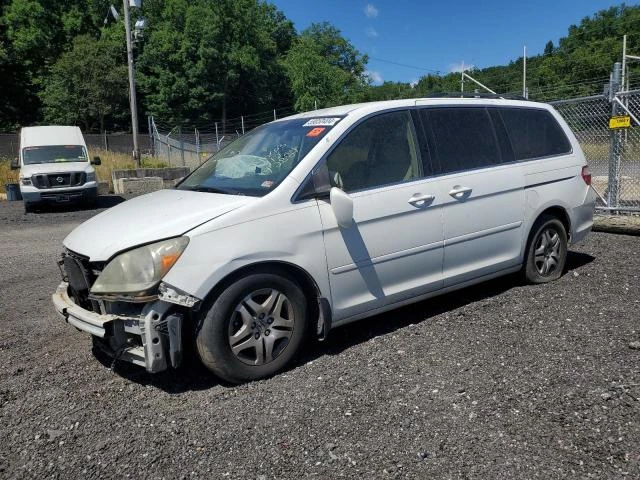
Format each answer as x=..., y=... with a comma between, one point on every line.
x=258, y=161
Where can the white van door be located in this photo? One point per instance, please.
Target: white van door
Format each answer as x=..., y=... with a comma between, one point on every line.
x=482, y=190
x=393, y=249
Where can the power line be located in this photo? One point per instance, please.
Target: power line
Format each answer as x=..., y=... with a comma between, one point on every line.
x=438, y=72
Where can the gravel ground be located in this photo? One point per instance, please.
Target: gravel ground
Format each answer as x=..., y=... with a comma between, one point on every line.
x=495, y=381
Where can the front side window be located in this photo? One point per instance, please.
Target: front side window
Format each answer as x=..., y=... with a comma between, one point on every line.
x=462, y=137
x=257, y=162
x=534, y=133
x=380, y=151
x=54, y=154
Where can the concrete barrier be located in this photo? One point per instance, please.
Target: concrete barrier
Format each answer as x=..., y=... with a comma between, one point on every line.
x=138, y=186
x=169, y=176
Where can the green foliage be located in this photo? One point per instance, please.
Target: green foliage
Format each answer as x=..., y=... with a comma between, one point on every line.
x=33, y=35
x=324, y=68
x=202, y=60
x=88, y=84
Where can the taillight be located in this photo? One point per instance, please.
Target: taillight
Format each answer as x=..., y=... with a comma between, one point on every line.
x=586, y=175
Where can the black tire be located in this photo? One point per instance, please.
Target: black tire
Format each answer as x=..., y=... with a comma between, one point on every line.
x=546, y=252
x=214, y=332
x=29, y=207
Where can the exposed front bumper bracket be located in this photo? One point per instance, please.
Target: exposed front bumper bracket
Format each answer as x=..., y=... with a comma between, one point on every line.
x=158, y=333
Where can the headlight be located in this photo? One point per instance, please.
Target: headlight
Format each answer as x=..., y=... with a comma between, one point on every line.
x=139, y=270
x=91, y=177
x=25, y=181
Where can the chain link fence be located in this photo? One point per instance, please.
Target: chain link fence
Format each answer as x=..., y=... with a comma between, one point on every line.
x=112, y=142
x=180, y=149
x=613, y=154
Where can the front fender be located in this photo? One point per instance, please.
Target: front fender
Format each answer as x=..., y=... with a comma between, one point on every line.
x=293, y=236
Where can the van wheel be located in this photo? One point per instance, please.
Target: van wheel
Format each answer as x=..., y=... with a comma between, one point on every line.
x=546, y=251
x=29, y=207
x=253, y=329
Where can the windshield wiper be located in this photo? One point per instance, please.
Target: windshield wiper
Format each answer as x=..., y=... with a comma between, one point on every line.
x=211, y=190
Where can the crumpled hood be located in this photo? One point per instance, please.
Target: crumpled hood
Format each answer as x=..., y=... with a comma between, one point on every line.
x=54, y=167
x=148, y=218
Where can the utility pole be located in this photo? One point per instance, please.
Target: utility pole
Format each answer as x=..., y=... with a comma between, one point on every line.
x=132, y=84
x=462, y=79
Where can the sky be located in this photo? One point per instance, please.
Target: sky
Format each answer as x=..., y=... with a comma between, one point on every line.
x=438, y=36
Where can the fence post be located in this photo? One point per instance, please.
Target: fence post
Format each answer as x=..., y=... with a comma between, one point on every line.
x=151, y=139
x=217, y=139
x=274, y=114
x=181, y=145
x=104, y=140
x=242, y=121
x=198, y=145
x=615, y=148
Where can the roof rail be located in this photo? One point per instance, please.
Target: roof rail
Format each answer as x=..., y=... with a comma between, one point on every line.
x=504, y=96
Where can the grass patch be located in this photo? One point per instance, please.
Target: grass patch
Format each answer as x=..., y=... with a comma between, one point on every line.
x=6, y=174
x=110, y=161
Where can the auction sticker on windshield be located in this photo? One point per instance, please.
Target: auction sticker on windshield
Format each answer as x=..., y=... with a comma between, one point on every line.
x=315, y=132
x=322, y=122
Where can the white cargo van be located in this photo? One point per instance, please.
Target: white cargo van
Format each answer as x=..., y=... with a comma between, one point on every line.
x=54, y=167
x=323, y=218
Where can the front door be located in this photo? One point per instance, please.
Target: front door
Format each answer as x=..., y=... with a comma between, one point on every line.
x=393, y=249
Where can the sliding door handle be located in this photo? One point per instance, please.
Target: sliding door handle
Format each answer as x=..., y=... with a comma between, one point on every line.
x=459, y=193
x=420, y=200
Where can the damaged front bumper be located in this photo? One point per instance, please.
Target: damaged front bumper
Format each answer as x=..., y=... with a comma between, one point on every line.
x=149, y=334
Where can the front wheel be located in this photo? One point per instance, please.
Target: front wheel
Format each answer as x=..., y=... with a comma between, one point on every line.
x=546, y=251
x=253, y=329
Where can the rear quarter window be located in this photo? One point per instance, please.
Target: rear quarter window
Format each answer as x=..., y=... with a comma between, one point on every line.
x=534, y=133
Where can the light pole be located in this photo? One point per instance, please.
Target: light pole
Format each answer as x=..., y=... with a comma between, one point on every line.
x=132, y=84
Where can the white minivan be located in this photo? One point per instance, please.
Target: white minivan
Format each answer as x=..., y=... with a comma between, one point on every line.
x=323, y=218
x=54, y=167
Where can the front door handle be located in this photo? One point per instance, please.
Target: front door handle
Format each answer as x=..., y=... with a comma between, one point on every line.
x=420, y=200
x=460, y=193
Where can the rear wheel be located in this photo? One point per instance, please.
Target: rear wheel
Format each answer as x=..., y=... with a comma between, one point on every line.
x=546, y=251
x=253, y=329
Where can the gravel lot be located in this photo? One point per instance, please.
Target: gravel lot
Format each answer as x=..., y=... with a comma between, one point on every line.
x=496, y=381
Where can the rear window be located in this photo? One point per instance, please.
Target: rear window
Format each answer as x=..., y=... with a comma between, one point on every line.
x=534, y=133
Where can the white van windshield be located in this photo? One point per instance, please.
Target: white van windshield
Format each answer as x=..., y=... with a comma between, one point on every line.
x=257, y=162
x=54, y=154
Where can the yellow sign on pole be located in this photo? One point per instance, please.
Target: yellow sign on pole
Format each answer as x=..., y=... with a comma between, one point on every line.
x=622, y=121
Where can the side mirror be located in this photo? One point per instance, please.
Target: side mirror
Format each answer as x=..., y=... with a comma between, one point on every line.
x=15, y=164
x=342, y=206
x=96, y=161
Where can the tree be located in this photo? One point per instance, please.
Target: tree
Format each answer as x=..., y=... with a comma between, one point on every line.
x=204, y=60
x=325, y=68
x=33, y=35
x=87, y=86
x=548, y=48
